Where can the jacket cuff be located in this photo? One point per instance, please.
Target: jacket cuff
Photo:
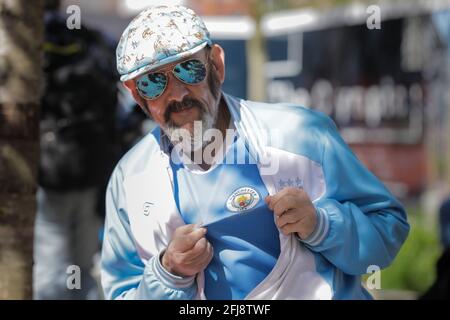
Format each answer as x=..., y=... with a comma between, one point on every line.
x=321, y=230
x=168, y=279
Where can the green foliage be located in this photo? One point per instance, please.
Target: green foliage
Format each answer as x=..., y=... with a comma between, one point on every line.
x=414, y=268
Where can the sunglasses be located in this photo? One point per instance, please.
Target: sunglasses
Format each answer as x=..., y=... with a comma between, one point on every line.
x=152, y=85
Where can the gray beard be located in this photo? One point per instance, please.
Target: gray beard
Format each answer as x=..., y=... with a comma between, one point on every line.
x=195, y=140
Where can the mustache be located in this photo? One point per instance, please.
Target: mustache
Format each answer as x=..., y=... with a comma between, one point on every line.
x=186, y=103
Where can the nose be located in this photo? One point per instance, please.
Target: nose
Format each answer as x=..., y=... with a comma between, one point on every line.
x=176, y=90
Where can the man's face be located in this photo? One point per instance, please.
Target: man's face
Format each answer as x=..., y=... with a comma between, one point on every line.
x=180, y=105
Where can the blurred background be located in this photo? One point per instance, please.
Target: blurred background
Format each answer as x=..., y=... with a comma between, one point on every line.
x=385, y=82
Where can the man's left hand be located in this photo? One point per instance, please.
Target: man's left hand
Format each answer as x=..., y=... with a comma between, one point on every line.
x=294, y=211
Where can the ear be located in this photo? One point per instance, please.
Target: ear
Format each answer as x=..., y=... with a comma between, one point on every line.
x=131, y=86
x=218, y=60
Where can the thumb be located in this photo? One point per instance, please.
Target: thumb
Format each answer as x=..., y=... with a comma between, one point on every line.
x=268, y=199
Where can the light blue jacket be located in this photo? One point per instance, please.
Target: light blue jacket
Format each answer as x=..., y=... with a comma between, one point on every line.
x=360, y=223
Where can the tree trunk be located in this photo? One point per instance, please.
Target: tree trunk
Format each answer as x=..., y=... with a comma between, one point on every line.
x=21, y=38
x=256, y=55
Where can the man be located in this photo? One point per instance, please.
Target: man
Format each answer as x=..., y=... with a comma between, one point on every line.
x=233, y=199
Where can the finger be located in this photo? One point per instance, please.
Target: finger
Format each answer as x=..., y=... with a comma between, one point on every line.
x=279, y=195
x=207, y=257
x=286, y=203
x=197, y=251
x=193, y=237
x=289, y=228
x=201, y=261
x=187, y=241
x=290, y=216
x=188, y=228
x=272, y=200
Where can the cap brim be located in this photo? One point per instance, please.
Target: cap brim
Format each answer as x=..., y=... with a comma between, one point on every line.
x=149, y=67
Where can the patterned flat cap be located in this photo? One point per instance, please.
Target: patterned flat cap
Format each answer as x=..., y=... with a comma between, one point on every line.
x=158, y=36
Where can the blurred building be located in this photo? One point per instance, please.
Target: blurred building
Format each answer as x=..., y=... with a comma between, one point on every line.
x=220, y=7
x=385, y=88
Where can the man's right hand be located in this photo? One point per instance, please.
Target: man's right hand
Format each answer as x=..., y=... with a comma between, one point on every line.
x=188, y=252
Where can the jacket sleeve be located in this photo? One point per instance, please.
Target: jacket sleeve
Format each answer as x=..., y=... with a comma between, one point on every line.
x=359, y=222
x=124, y=274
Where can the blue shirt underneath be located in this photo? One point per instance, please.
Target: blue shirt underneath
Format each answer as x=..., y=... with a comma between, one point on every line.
x=229, y=200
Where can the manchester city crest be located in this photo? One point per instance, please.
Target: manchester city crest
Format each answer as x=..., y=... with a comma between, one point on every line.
x=242, y=199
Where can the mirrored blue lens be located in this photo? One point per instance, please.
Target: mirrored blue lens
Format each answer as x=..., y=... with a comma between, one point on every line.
x=190, y=71
x=152, y=85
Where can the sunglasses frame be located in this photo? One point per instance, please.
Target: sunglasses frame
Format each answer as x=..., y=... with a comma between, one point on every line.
x=165, y=71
